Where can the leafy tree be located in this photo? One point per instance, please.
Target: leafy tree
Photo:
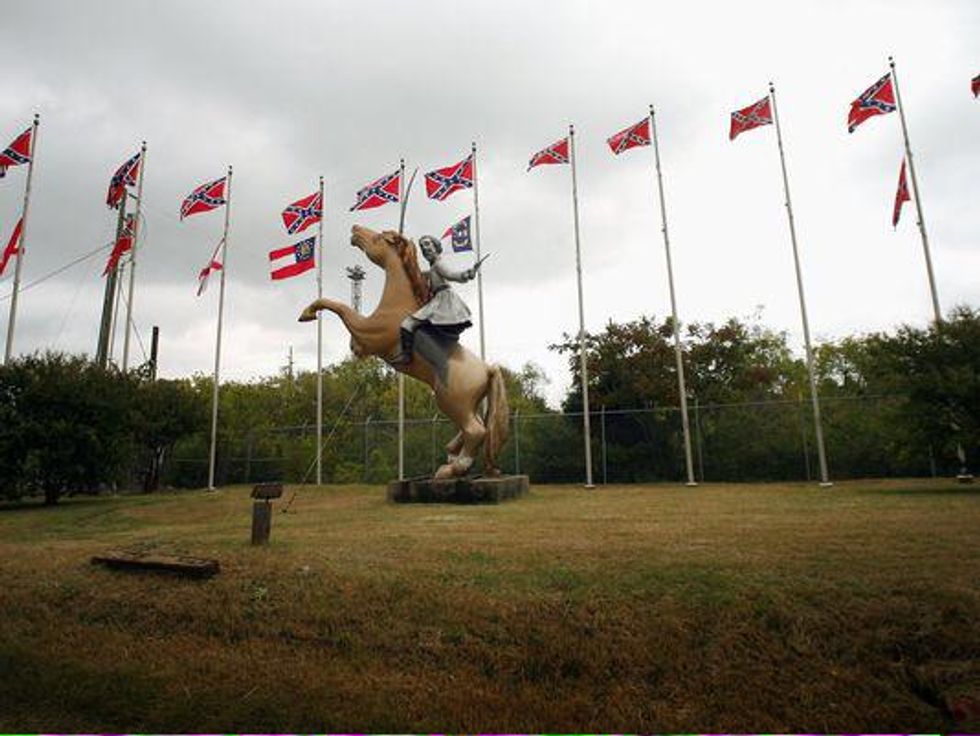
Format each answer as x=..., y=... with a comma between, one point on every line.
x=65, y=426
x=164, y=413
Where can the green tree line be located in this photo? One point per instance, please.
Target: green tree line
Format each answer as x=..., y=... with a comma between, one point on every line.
x=897, y=403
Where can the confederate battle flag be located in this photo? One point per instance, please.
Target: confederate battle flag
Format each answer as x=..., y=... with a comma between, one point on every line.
x=878, y=99
x=204, y=199
x=379, y=192
x=125, y=176
x=17, y=153
x=123, y=245
x=556, y=153
x=756, y=114
x=633, y=136
x=440, y=183
x=302, y=213
x=901, y=196
x=12, y=247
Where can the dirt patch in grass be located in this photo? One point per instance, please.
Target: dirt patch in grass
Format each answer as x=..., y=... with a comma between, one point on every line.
x=723, y=608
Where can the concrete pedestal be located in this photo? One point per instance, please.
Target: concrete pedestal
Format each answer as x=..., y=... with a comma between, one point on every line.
x=458, y=490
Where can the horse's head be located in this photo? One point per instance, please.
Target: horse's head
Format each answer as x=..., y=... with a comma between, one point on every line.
x=378, y=247
x=382, y=247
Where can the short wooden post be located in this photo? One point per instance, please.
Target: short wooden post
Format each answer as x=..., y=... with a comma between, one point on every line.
x=263, y=494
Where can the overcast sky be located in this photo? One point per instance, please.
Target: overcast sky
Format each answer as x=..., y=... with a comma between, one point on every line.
x=287, y=91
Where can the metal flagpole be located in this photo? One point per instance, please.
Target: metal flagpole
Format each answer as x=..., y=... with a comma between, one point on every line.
x=918, y=198
x=479, y=274
x=685, y=424
x=319, y=346
x=114, y=321
x=583, y=367
x=22, y=245
x=401, y=376
x=937, y=312
x=817, y=426
x=102, y=352
x=132, y=258
x=217, y=342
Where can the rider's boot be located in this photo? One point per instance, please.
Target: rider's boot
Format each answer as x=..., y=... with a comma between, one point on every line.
x=405, y=356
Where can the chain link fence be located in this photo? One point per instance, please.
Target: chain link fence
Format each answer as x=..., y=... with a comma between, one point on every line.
x=759, y=441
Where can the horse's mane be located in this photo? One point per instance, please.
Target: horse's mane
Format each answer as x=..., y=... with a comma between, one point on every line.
x=405, y=249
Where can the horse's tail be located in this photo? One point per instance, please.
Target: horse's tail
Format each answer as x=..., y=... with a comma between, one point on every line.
x=497, y=421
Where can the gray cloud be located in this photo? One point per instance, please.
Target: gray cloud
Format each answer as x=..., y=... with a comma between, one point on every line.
x=289, y=91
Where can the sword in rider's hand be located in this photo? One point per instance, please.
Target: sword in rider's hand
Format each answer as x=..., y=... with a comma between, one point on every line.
x=476, y=266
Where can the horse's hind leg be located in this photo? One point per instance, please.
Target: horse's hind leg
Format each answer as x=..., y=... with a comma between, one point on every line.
x=454, y=446
x=473, y=434
x=466, y=444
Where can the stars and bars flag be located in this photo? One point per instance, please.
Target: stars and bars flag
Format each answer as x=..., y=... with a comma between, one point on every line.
x=205, y=273
x=460, y=234
x=123, y=245
x=878, y=99
x=205, y=198
x=17, y=153
x=302, y=213
x=298, y=258
x=125, y=176
x=379, y=192
x=556, y=153
x=631, y=137
x=901, y=195
x=975, y=85
x=13, y=247
x=755, y=115
x=440, y=183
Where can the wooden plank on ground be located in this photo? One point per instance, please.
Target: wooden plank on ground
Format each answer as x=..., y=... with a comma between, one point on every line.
x=193, y=567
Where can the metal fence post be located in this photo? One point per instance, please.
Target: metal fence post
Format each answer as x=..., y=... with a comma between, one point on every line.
x=806, y=446
x=248, y=455
x=517, y=442
x=602, y=414
x=697, y=430
x=435, y=418
x=364, y=469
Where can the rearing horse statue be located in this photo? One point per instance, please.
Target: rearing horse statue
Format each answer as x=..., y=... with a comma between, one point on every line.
x=459, y=379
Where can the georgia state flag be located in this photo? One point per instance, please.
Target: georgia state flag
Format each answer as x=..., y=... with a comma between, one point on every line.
x=298, y=259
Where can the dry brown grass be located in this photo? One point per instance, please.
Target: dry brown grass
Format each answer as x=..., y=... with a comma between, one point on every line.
x=724, y=608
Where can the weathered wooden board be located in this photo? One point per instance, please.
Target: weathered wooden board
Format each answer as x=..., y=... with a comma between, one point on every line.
x=194, y=567
x=458, y=490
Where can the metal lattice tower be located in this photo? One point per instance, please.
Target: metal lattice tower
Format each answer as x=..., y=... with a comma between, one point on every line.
x=356, y=275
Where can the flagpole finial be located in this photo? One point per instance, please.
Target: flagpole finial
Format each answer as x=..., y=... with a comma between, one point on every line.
x=229, y=169
x=772, y=87
x=571, y=129
x=37, y=118
x=891, y=62
x=652, y=113
x=473, y=146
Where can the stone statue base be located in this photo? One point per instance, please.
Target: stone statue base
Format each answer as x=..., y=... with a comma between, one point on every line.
x=458, y=490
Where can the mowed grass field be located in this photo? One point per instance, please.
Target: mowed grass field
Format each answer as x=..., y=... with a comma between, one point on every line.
x=767, y=608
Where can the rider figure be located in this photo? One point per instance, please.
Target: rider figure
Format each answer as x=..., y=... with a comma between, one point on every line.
x=445, y=310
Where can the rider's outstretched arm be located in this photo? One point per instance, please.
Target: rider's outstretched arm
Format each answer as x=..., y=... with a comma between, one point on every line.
x=450, y=274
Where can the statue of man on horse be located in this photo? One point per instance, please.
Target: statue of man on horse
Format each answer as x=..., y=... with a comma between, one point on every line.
x=415, y=328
